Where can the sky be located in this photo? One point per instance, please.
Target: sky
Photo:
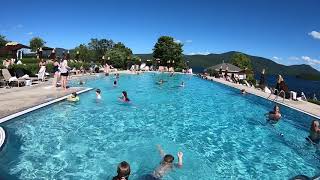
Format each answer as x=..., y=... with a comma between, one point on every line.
x=286, y=31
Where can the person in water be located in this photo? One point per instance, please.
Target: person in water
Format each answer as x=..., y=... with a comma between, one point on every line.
x=124, y=97
x=314, y=136
x=243, y=91
x=275, y=115
x=160, y=81
x=73, y=97
x=182, y=84
x=166, y=164
x=81, y=82
x=98, y=93
x=115, y=83
x=123, y=171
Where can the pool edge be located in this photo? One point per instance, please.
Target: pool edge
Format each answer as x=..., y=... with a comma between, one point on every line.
x=7, y=118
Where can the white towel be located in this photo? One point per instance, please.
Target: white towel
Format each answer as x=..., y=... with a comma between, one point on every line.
x=13, y=79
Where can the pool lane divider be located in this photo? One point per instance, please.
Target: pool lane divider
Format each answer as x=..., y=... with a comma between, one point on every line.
x=7, y=118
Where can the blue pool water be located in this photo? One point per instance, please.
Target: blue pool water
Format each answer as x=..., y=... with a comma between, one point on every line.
x=223, y=135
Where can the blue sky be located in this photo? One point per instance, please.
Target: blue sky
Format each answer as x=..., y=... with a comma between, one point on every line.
x=287, y=31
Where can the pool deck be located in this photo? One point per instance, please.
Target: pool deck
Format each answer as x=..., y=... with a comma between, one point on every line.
x=303, y=106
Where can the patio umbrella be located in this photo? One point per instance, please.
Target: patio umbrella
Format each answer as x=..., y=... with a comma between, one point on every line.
x=77, y=55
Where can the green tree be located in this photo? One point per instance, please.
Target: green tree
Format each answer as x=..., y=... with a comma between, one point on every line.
x=242, y=61
x=84, y=53
x=119, y=55
x=100, y=47
x=3, y=41
x=36, y=43
x=167, y=50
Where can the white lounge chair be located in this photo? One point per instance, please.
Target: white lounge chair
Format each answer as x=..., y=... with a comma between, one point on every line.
x=8, y=78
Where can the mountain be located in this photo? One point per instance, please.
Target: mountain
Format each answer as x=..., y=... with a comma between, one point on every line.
x=200, y=62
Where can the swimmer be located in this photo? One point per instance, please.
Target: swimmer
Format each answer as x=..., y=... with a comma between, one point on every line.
x=81, y=82
x=275, y=115
x=117, y=75
x=73, y=97
x=166, y=164
x=171, y=75
x=124, y=97
x=123, y=171
x=98, y=93
x=314, y=136
x=115, y=83
x=160, y=81
x=243, y=91
x=182, y=84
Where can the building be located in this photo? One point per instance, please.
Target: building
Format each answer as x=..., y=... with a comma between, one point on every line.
x=230, y=69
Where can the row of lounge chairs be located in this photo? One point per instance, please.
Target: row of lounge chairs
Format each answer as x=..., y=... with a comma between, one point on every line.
x=20, y=79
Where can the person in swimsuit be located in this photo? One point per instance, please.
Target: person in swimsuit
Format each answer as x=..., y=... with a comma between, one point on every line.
x=56, y=72
x=275, y=115
x=115, y=83
x=124, y=97
x=74, y=97
x=64, y=69
x=314, y=136
x=166, y=164
x=123, y=171
x=182, y=84
x=98, y=93
x=243, y=91
x=161, y=81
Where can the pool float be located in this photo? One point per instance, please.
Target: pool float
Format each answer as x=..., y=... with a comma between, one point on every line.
x=73, y=99
x=2, y=137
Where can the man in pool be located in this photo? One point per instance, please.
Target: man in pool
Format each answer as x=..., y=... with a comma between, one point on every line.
x=160, y=81
x=166, y=165
x=115, y=83
x=123, y=171
x=314, y=136
x=275, y=115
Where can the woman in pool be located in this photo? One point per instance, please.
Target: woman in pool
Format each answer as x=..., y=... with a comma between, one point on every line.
x=74, y=97
x=275, y=115
x=98, y=93
x=314, y=136
x=124, y=97
x=123, y=171
x=115, y=83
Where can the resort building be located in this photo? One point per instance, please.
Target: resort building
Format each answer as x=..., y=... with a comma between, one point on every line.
x=230, y=69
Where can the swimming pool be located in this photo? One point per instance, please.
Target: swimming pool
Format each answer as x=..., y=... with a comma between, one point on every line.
x=222, y=134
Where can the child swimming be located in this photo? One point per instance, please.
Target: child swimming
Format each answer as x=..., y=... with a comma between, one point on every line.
x=123, y=171
x=166, y=164
x=73, y=97
x=98, y=93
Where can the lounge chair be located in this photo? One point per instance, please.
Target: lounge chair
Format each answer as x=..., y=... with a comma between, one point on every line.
x=8, y=78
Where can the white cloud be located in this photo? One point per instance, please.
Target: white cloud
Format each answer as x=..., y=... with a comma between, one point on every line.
x=277, y=58
x=294, y=58
x=310, y=60
x=177, y=41
x=314, y=34
x=189, y=41
x=30, y=33
x=199, y=53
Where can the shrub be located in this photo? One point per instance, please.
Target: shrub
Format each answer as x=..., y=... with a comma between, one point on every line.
x=314, y=101
x=29, y=60
x=30, y=69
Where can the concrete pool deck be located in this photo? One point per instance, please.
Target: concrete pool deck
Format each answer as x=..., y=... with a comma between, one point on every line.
x=15, y=100
x=302, y=106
